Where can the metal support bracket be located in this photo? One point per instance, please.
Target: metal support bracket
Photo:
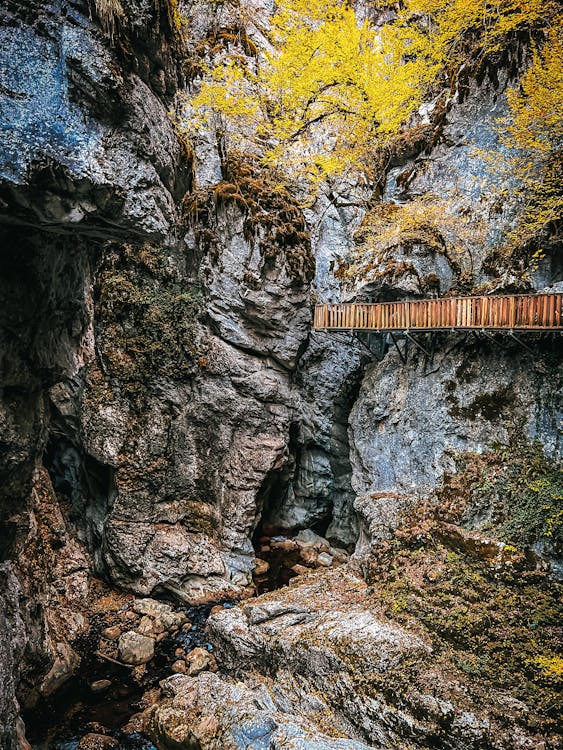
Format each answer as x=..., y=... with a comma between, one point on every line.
x=402, y=355
x=487, y=335
x=377, y=354
x=415, y=342
x=512, y=335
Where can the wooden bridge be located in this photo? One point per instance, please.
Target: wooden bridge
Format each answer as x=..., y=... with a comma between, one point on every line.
x=518, y=312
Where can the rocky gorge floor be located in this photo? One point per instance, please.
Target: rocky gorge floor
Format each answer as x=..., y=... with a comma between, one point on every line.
x=439, y=638
x=101, y=695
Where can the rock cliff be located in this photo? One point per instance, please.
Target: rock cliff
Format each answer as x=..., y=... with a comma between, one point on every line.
x=164, y=403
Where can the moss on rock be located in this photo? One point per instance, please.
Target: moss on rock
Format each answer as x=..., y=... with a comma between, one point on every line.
x=495, y=633
x=516, y=491
x=146, y=317
x=272, y=217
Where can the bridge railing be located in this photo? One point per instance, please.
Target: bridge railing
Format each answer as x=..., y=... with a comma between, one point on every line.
x=515, y=312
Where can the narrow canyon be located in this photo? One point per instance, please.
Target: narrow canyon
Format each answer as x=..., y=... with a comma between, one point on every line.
x=220, y=527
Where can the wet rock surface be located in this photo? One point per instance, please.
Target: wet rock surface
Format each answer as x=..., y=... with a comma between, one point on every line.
x=119, y=673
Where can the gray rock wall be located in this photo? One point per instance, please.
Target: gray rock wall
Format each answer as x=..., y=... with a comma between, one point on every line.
x=156, y=356
x=151, y=380
x=410, y=419
x=88, y=154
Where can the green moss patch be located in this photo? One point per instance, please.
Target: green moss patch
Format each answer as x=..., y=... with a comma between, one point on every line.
x=496, y=636
x=516, y=491
x=146, y=318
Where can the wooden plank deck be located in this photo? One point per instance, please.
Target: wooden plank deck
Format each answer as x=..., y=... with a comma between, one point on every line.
x=515, y=312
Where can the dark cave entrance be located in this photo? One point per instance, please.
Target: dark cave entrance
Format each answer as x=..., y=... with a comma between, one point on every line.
x=86, y=488
x=285, y=507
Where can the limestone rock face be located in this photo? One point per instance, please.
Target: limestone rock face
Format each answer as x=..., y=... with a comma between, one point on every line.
x=162, y=395
x=89, y=155
x=410, y=421
x=151, y=376
x=318, y=490
x=214, y=437
x=77, y=153
x=253, y=304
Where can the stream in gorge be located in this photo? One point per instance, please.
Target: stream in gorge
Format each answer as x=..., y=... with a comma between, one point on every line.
x=76, y=710
x=99, y=703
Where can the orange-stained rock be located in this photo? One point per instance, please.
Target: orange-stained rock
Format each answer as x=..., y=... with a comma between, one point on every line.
x=198, y=660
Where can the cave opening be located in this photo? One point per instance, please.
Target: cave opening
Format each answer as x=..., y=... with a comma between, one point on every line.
x=295, y=514
x=85, y=486
x=294, y=498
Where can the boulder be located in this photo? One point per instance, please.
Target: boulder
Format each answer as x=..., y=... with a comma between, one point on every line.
x=163, y=615
x=147, y=626
x=179, y=666
x=339, y=555
x=310, y=556
x=135, y=648
x=284, y=545
x=64, y=666
x=112, y=633
x=100, y=686
x=308, y=539
x=261, y=568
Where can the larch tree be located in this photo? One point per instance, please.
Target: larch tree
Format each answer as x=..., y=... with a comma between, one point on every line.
x=333, y=90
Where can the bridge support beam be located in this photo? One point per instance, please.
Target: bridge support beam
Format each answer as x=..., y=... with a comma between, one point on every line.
x=519, y=341
x=417, y=344
x=402, y=355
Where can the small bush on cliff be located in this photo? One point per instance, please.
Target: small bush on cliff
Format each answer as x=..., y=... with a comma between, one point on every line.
x=110, y=14
x=428, y=221
x=273, y=219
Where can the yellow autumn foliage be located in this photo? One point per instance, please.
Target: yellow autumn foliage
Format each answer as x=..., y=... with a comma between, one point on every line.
x=537, y=121
x=337, y=86
x=551, y=666
x=340, y=80
x=333, y=88
x=227, y=93
x=453, y=26
x=534, y=133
